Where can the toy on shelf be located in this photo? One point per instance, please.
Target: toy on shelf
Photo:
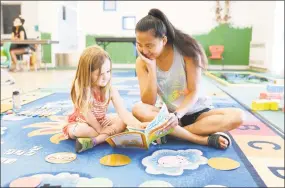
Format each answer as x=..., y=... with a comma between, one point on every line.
x=275, y=88
x=264, y=104
x=267, y=95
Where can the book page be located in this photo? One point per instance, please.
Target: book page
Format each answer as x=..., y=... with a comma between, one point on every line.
x=128, y=139
x=155, y=129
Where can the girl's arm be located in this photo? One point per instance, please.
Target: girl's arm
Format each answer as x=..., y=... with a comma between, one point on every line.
x=193, y=74
x=92, y=121
x=122, y=111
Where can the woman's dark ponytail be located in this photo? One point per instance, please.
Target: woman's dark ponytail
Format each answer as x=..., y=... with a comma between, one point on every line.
x=161, y=26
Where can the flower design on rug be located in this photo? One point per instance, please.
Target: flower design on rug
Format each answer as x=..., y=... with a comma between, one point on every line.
x=172, y=162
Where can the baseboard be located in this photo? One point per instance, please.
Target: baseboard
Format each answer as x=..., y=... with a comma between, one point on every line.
x=227, y=67
x=123, y=66
x=258, y=69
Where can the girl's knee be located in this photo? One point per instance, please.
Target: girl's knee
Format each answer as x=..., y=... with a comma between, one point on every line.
x=81, y=130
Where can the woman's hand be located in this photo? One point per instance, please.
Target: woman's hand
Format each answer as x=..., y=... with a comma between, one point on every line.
x=149, y=62
x=172, y=122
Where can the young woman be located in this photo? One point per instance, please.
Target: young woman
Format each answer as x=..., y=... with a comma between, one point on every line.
x=170, y=65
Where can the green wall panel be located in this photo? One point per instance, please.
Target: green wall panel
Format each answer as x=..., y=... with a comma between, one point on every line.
x=46, y=48
x=235, y=40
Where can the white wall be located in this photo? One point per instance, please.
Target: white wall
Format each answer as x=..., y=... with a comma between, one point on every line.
x=94, y=20
x=277, y=65
x=193, y=17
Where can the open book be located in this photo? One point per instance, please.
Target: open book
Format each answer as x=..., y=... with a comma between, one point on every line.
x=142, y=138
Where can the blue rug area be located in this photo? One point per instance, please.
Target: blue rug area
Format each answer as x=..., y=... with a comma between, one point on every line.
x=87, y=168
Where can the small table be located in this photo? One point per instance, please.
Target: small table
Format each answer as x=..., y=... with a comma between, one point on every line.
x=31, y=41
x=106, y=40
x=42, y=42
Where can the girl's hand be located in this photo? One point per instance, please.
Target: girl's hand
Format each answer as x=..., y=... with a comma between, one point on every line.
x=143, y=125
x=149, y=62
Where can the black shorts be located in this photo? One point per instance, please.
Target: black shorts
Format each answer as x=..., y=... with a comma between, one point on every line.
x=19, y=46
x=191, y=118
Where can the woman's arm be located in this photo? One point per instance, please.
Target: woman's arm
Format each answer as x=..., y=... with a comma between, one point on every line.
x=193, y=75
x=13, y=36
x=146, y=73
x=122, y=111
x=22, y=35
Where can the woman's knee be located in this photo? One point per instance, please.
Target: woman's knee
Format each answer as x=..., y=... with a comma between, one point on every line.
x=237, y=117
x=144, y=112
x=138, y=110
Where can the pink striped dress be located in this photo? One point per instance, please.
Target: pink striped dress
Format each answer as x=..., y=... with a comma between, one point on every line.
x=99, y=111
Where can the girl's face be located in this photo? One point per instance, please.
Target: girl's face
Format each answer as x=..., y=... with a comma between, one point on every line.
x=103, y=79
x=148, y=45
x=17, y=22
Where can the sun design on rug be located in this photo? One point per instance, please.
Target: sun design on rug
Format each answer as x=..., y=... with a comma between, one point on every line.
x=173, y=163
x=54, y=127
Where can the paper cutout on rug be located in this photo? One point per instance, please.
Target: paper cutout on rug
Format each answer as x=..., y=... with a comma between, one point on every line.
x=155, y=183
x=60, y=157
x=115, y=160
x=66, y=179
x=223, y=163
x=173, y=163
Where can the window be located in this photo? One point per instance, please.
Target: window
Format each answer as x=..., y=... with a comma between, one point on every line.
x=8, y=13
x=109, y=5
x=129, y=22
x=63, y=13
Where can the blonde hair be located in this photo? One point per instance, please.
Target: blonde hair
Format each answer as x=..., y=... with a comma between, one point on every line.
x=91, y=59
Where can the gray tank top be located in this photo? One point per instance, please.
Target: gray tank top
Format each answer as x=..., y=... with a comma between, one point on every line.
x=172, y=86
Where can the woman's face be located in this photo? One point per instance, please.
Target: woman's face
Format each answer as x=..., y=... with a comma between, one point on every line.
x=17, y=22
x=103, y=79
x=148, y=45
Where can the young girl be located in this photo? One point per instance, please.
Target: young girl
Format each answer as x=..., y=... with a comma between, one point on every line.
x=170, y=63
x=91, y=94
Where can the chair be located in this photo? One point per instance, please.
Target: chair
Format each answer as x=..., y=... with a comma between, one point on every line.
x=217, y=53
x=5, y=53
